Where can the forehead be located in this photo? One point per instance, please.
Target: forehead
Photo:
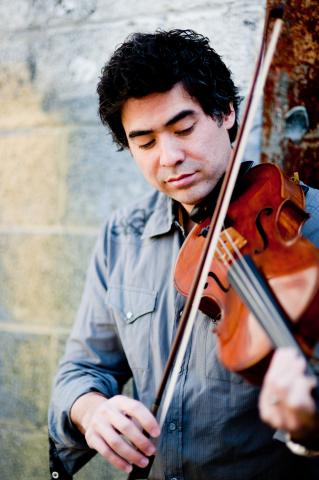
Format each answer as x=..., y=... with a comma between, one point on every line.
x=157, y=109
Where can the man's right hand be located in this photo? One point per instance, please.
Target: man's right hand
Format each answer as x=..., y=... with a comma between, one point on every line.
x=113, y=427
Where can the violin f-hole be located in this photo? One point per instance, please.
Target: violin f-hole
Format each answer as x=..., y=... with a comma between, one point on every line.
x=217, y=280
x=267, y=211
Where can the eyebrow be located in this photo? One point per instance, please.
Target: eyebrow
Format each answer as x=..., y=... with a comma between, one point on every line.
x=179, y=116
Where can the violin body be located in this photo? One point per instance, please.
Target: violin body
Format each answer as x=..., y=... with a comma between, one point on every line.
x=264, y=221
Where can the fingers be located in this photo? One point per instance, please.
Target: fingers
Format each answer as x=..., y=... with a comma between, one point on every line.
x=98, y=443
x=285, y=401
x=130, y=430
x=115, y=449
x=138, y=411
x=115, y=432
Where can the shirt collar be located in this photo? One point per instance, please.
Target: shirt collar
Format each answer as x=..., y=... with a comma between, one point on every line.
x=162, y=218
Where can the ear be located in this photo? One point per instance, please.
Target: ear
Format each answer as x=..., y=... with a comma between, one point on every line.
x=229, y=119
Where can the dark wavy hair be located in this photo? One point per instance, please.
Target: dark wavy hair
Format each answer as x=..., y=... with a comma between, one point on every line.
x=154, y=62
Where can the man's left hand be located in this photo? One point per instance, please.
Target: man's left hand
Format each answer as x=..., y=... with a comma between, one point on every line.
x=286, y=402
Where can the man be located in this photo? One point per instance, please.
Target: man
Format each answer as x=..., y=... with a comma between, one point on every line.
x=170, y=99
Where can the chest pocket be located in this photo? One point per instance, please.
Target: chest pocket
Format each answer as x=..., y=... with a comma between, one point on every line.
x=133, y=309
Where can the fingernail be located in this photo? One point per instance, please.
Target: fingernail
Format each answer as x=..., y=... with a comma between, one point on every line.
x=143, y=462
x=150, y=451
x=155, y=432
x=128, y=468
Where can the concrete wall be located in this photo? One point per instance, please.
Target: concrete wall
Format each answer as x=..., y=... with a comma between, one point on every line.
x=60, y=177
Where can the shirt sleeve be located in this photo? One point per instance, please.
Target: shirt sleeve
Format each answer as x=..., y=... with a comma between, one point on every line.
x=311, y=226
x=93, y=361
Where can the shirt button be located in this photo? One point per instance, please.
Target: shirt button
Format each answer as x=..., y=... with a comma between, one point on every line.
x=55, y=475
x=172, y=427
x=129, y=315
x=173, y=478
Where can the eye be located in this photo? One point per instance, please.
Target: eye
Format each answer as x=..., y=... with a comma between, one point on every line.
x=185, y=131
x=147, y=145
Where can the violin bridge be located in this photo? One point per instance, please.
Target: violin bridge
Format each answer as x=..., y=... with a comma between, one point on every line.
x=229, y=244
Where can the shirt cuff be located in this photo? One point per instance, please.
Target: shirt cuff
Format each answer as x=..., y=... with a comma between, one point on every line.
x=299, y=449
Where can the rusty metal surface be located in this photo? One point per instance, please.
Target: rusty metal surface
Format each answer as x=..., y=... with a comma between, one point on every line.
x=294, y=81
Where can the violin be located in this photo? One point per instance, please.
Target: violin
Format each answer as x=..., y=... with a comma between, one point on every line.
x=262, y=290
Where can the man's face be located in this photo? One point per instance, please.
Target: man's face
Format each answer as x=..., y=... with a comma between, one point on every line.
x=181, y=151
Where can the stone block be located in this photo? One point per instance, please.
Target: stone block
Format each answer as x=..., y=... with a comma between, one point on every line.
x=25, y=371
x=99, y=178
x=42, y=277
x=21, y=100
x=24, y=454
x=32, y=176
x=36, y=13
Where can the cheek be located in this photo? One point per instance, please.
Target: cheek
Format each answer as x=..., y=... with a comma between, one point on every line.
x=218, y=148
x=148, y=169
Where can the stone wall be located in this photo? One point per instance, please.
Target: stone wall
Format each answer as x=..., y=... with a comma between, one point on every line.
x=60, y=176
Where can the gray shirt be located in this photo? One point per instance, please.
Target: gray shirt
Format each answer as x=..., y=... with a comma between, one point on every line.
x=124, y=328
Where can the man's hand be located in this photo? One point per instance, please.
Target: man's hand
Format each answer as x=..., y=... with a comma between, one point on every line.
x=285, y=401
x=113, y=427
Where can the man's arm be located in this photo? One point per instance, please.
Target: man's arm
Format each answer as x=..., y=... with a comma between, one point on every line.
x=94, y=367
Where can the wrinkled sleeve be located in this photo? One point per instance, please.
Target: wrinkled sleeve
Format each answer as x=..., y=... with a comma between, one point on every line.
x=93, y=361
x=311, y=226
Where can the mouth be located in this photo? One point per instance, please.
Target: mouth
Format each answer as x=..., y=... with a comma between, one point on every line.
x=182, y=180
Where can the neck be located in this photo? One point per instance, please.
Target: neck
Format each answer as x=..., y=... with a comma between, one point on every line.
x=183, y=218
x=188, y=225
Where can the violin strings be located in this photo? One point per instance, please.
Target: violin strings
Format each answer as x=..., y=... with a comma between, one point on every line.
x=245, y=274
x=260, y=309
x=255, y=295
x=239, y=273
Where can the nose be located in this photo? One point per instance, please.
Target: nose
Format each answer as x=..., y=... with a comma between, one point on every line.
x=170, y=151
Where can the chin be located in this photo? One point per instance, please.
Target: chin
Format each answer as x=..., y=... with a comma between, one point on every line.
x=188, y=198
x=193, y=200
